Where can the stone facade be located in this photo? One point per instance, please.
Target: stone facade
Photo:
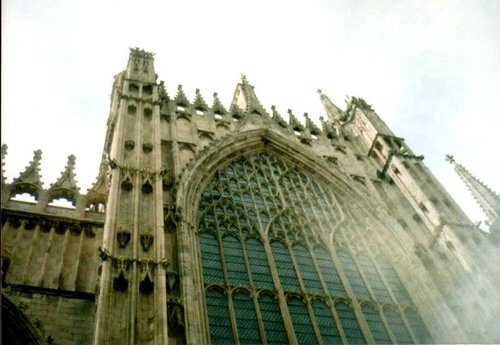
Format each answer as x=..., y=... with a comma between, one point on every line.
x=210, y=225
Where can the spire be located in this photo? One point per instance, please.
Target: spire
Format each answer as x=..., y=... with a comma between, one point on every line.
x=31, y=174
x=199, y=102
x=246, y=99
x=311, y=126
x=294, y=122
x=99, y=189
x=217, y=106
x=334, y=113
x=278, y=118
x=487, y=199
x=67, y=179
x=180, y=97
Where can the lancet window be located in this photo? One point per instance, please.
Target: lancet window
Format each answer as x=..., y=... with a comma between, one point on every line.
x=268, y=275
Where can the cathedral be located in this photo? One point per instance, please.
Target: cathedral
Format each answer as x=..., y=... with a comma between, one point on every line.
x=213, y=224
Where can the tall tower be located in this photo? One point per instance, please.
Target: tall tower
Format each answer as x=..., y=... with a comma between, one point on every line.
x=131, y=304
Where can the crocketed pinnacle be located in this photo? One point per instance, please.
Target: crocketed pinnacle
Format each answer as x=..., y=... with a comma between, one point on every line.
x=487, y=199
x=334, y=113
x=67, y=179
x=246, y=98
x=31, y=173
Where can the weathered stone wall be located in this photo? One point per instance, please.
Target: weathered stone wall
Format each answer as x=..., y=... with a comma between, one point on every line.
x=62, y=319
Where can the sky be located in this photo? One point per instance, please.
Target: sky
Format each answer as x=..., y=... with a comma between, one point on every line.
x=431, y=70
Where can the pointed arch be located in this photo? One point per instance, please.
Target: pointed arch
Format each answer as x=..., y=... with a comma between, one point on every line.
x=17, y=328
x=300, y=173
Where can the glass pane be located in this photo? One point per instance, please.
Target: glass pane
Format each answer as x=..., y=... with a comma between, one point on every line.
x=273, y=322
x=284, y=265
x=261, y=274
x=418, y=327
x=373, y=278
x=210, y=259
x=375, y=324
x=353, y=276
x=301, y=322
x=395, y=283
x=326, y=323
x=329, y=272
x=350, y=324
x=397, y=326
x=308, y=271
x=218, y=318
x=235, y=261
x=246, y=319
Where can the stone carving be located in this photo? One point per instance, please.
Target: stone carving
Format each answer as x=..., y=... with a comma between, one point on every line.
x=146, y=241
x=123, y=238
x=30, y=223
x=127, y=184
x=129, y=145
x=361, y=103
x=147, y=188
x=147, y=148
x=61, y=227
x=175, y=315
x=45, y=225
x=120, y=283
x=146, y=286
x=172, y=281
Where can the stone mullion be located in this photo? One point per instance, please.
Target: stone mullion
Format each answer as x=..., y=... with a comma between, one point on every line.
x=287, y=320
x=329, y=206
x=313, y=208
x=364, y=279
x=386, y=324
x=260, y=321
x=302, y=190
x=266, y=208
x=378, y=304
x=335, y=210
x=276, y=183
x=350, y=292
x=314, y=322
x=333, y=311
x=407, y=324
x=379, y=271
x=226, y=283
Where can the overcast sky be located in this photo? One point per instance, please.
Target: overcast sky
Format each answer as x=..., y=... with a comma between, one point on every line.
x=431, y=69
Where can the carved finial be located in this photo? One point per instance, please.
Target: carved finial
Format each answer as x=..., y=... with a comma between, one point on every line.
x=181, y=98
x=244, y=79
x=32, y=172
x=217, y=106
x=67, y=179
x=199, y=102
x=162, y=91
x=141, y=53
x=319, y=91
x=450, y=158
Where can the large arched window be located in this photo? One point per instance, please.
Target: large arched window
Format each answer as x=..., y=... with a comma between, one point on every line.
x=269, y=277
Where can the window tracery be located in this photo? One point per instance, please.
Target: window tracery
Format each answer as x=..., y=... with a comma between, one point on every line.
x=261, y=223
